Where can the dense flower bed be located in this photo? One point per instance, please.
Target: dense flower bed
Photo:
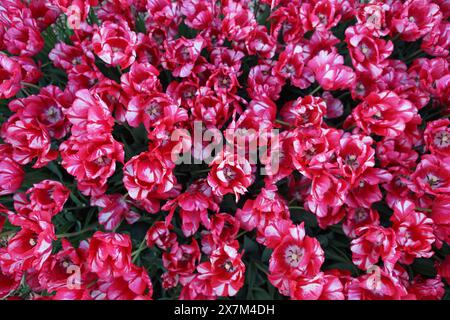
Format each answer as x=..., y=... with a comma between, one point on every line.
x=121, y=176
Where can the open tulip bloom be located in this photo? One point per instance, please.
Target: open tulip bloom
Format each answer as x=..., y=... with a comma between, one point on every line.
x=236, y=149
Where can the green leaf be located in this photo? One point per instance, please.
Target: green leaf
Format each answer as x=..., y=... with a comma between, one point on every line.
x=34, y=176
x=266, y=255
x=250, y=246
x=53, y=167
x=261, y=294
x=424, y=267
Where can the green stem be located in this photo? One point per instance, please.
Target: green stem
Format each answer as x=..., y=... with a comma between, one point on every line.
x=26, y=92
x=91, y=284
x=432, y=114
x=146, y=219
x=261, y=267
x=241, y=234
x=77, y=201
x=395, y=37
x=415, y=53
x=89, y=217
x=343, y=95
x=201, y=171
x=142, y=247
x=314, y=91
x=423, y=209
x=83, y=206
x=30, y=85
x=183, y=174
x=77, y=233
x=283, y=122
x=297, y=208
